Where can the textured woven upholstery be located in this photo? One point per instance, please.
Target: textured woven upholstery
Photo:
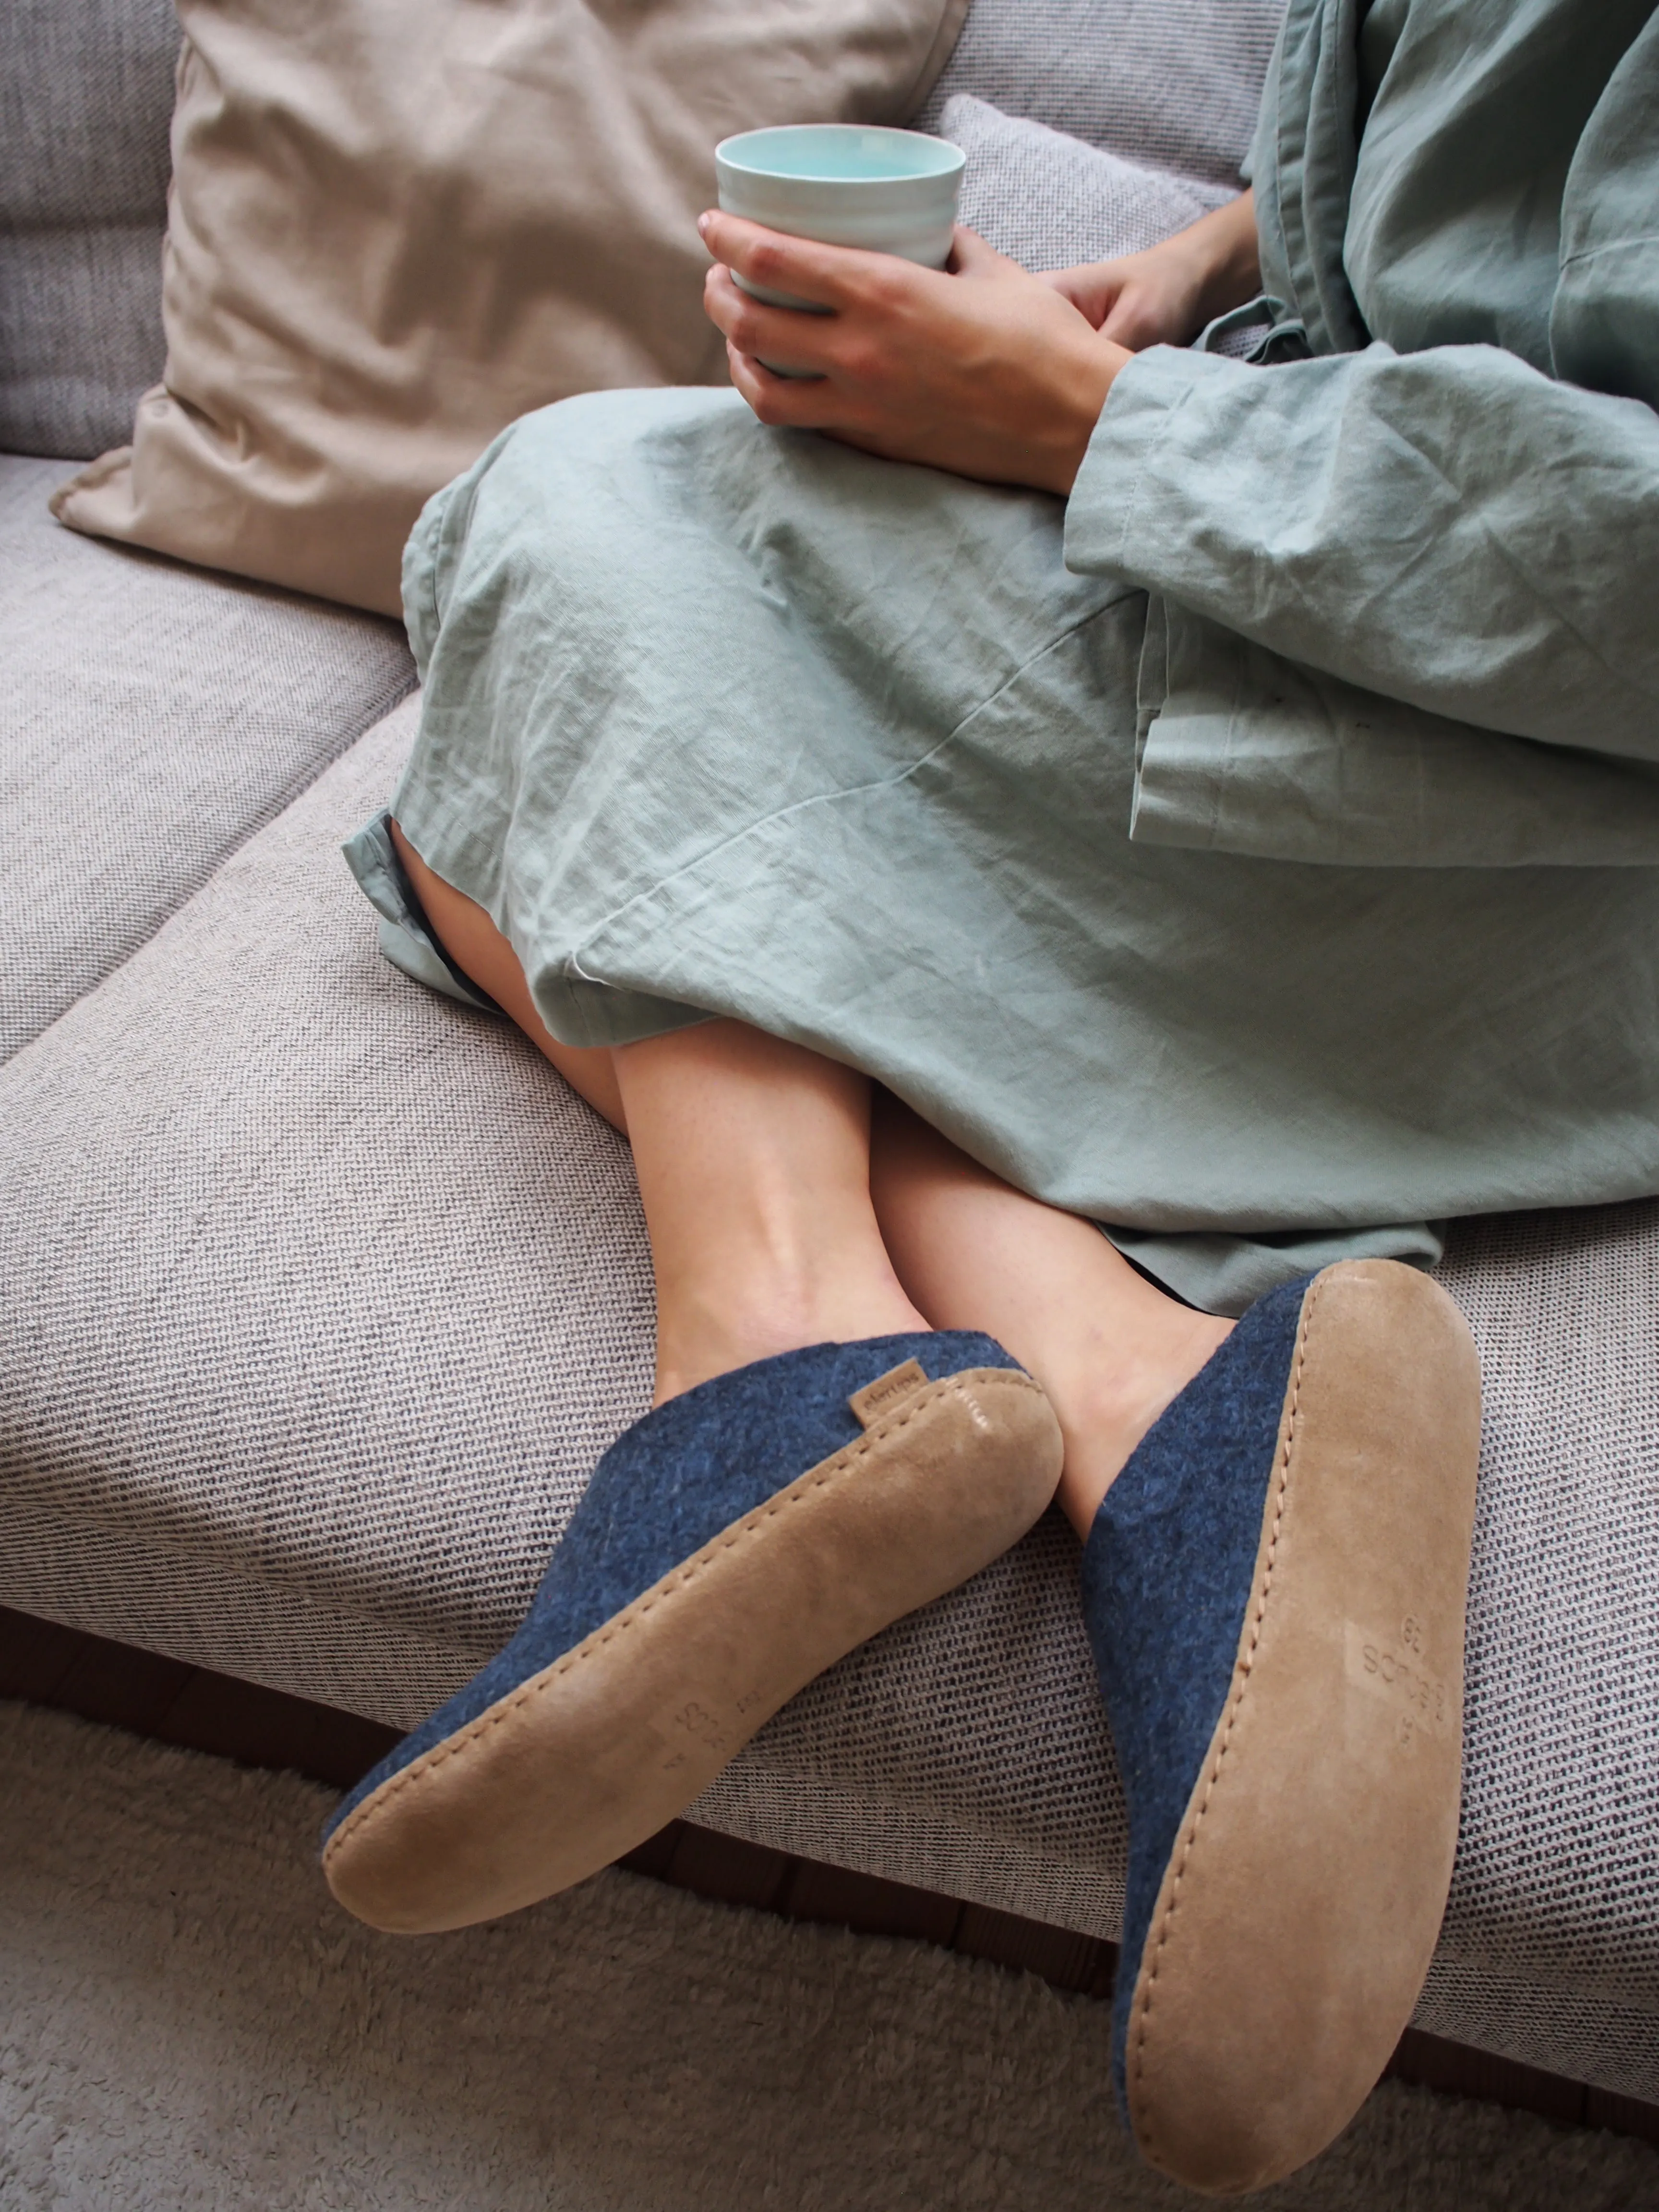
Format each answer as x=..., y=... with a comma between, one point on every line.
x=321, y=1295
x=1050, y=201
x=152, y=715
x=292, y=1397
x=86, y=99
x=1173, y=83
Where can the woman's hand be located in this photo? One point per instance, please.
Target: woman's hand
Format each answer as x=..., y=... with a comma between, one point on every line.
x=985, y=371
x=1166, y=295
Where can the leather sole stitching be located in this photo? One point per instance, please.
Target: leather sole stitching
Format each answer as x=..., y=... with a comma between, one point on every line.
x=828, y=1472
x=1235, y=1698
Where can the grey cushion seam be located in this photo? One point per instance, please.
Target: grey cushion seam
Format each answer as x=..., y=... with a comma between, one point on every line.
x=277, y=805
x=206, y=1548
x=1580, y=1987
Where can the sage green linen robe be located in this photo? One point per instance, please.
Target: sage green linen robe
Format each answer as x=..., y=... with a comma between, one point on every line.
x=1258, y=854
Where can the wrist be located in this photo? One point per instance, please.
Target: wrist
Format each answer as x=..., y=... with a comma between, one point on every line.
x=1090, y=385
x=1229, y=269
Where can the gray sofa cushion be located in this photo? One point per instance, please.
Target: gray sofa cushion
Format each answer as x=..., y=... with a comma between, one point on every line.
x=1173, y=83
x=152, y=716
x=86, y=101
x=319, y=1295
x=1050, y=201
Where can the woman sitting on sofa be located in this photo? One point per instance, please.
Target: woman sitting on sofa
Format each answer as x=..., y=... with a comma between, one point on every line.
x=1050, y=780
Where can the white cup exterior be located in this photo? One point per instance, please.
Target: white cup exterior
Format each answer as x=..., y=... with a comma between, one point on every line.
x=913, y=217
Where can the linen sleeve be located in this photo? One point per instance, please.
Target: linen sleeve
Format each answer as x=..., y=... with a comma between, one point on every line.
x=1378, y=572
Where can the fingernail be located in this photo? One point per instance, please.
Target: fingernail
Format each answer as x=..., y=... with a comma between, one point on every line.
x=704, y=221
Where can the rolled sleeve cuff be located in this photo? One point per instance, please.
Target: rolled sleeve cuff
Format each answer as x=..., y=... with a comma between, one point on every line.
x=1123, y=466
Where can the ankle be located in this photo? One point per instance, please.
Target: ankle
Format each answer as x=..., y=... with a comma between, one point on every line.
x=1105, y=1408
x=699, y=1337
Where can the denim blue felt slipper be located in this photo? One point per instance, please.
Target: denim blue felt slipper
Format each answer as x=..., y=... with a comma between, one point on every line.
x=1274, y=1589
x=732, y=1545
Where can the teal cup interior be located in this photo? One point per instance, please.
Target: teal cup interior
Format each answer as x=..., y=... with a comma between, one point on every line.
x=841, y=153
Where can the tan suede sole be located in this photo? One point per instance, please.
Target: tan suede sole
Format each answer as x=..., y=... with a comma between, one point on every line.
x=584, y=1760
x=1300, y=1908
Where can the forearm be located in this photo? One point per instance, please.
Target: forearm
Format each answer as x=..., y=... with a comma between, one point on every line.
x=1223, y=249
x=1165, y=295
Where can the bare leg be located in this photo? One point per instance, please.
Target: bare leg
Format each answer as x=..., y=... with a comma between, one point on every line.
x=480, y=951
x=765, y=1238
x=753, y=1158
x=1109, y=1349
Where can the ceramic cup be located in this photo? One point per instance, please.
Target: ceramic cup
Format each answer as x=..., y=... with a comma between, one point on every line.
x=889, y=192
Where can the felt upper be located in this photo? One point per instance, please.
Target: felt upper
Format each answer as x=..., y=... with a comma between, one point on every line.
x=669, y=1485
x=1166, y=1577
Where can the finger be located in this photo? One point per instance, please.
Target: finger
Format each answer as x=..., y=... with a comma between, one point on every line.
x=971, y=257
x=783, y=403
x=788, y=336
x=1136, y=318
x=1093, y=288
x=1072, y=288
x=1123, y=322
x=829, y=275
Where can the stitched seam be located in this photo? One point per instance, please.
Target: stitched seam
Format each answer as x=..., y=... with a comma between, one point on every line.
x=1608, y=246
x=828, y=1472
x=836, y=797
x=1143, y=2001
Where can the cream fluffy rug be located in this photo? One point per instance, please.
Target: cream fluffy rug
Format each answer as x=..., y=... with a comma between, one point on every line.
x=187, y=2021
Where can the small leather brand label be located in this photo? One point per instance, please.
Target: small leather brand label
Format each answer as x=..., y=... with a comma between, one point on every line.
x=887, y=1391
x=1390, y=1667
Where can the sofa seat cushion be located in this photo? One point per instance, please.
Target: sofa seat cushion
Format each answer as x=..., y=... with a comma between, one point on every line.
x=153, y=717
x=321, y=1294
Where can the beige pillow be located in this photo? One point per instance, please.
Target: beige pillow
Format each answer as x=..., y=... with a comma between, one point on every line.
x=395, y=225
